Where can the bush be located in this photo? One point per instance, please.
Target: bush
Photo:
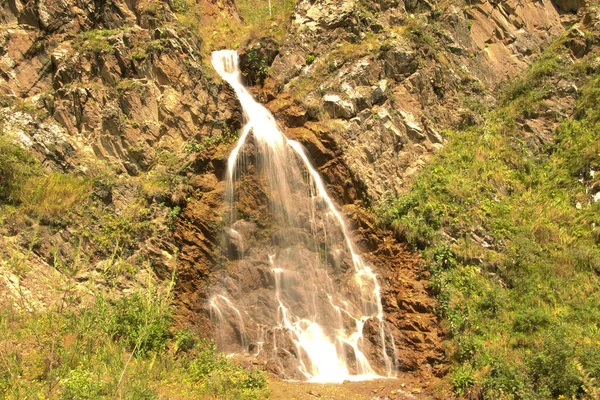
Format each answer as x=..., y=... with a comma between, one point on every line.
x=141, y=321
x=185, y=340
x=257, y=70
x=462, y=379
x=530, y=320
x=224, y=379
x=82, y=385
x=310, y=58
x=552, y=366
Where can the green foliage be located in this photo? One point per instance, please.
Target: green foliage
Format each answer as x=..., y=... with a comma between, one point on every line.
x=117, y=233
x=141, y=322
x=97, y=40
x=16, y=166
x=172, y=215
x=138, y=55
x=462, y=380
x=46, y=197
x=182, y=6
x=115, y=349
x=257, y=70
x=225, y=137
x=185, y=340
x=81, y=384
x=310, y=58
x=224, y=379
x=418, y=32
x=42, y=196
x=512, y=242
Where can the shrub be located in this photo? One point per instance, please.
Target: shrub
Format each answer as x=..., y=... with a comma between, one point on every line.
x=462, y=379
x=257, y=70
x=185, y=340
x=81, y=384
x=224, y=379
x=141, y=321
x=530, y=320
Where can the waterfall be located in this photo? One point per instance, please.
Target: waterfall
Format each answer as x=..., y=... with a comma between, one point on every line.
x=296, y=292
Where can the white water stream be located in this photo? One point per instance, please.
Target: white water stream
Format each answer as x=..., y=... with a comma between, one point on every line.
x=321, y=295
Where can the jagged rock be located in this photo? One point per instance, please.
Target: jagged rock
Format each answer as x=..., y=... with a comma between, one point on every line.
x=364, y=97
x=327, y=14
x=413, y=129
x=338, y=108
x=578, y=42
x=399, y=61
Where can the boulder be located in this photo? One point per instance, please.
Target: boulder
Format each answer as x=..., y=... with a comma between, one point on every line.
x=338, y=108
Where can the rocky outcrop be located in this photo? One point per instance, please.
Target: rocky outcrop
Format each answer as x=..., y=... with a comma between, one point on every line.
x=117, y=92
x=393, y=81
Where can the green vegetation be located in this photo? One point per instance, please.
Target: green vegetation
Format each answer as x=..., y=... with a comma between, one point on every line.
x=258, y=20
x=257, y=66
x=512, y=241
x=16, y=165
x=99, y=343
x=43, y=196
x=97, y=41
x=195, y=146
x=114, y=348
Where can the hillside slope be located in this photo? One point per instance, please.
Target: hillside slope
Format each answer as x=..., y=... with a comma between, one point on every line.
x=508, y=214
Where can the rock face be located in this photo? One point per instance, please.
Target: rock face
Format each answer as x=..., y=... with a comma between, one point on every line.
x=392, y=81
x=117, y=92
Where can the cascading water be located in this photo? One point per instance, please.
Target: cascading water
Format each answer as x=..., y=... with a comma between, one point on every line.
x=295, y=291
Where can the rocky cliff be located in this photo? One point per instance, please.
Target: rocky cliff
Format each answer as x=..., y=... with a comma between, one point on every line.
x=119, y=96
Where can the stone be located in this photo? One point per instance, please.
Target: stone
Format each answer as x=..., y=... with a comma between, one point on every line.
x=399, y=61
x=338, y=108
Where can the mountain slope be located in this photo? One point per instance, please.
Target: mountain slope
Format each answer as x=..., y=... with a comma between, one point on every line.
x=508, y=215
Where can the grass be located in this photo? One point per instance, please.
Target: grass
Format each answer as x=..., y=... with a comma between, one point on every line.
x=106, y=344
x=115, y=348
x=97, y=41
x=258, y=20
x=512, y=242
